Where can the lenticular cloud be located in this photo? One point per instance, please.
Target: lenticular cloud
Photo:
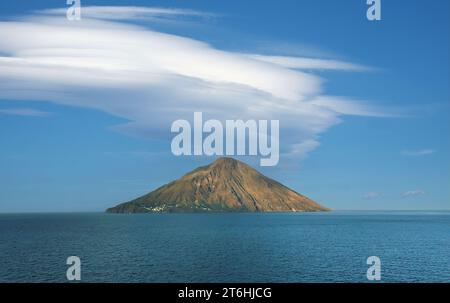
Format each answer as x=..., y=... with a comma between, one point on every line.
x=152, y=78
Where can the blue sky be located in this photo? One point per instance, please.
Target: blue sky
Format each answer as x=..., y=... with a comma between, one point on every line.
x=64, y=147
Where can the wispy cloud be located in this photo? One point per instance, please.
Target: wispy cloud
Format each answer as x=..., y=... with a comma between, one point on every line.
x=24, y=112
x=310, y=63
x=420, y=152
x=413, y=193
x=129, y=12
x=152, y=78
x=371, y=195
x=300, y=150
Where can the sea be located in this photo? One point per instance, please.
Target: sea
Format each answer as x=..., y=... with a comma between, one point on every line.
x=227, y=247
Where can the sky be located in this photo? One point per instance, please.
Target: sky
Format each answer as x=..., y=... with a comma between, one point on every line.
x=86, y=106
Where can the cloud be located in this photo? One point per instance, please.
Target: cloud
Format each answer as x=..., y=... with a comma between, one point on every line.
x=128, y=13
x=413, y=193
x=300, y=150
x=371, y=195
x=416, y=153
x=24, y=112
x=310, y=63
x=152, y=78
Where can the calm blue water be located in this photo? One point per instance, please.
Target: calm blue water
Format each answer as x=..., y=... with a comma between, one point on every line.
x=312, y=247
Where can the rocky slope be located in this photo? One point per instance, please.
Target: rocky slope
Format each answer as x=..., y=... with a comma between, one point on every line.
x=226, y=185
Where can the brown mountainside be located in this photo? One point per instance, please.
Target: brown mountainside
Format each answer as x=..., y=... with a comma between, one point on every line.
x=224, y=185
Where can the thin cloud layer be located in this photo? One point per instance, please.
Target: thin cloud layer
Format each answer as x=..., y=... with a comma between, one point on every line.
x=310, y=63
x=24, y=112
x=416, y=153
x=152, y=78
x=371, y=195
x=413, y=193
x=128, y=12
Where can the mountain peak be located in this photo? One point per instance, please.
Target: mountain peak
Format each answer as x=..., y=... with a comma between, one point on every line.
x=226, y=162
x=224, y=185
